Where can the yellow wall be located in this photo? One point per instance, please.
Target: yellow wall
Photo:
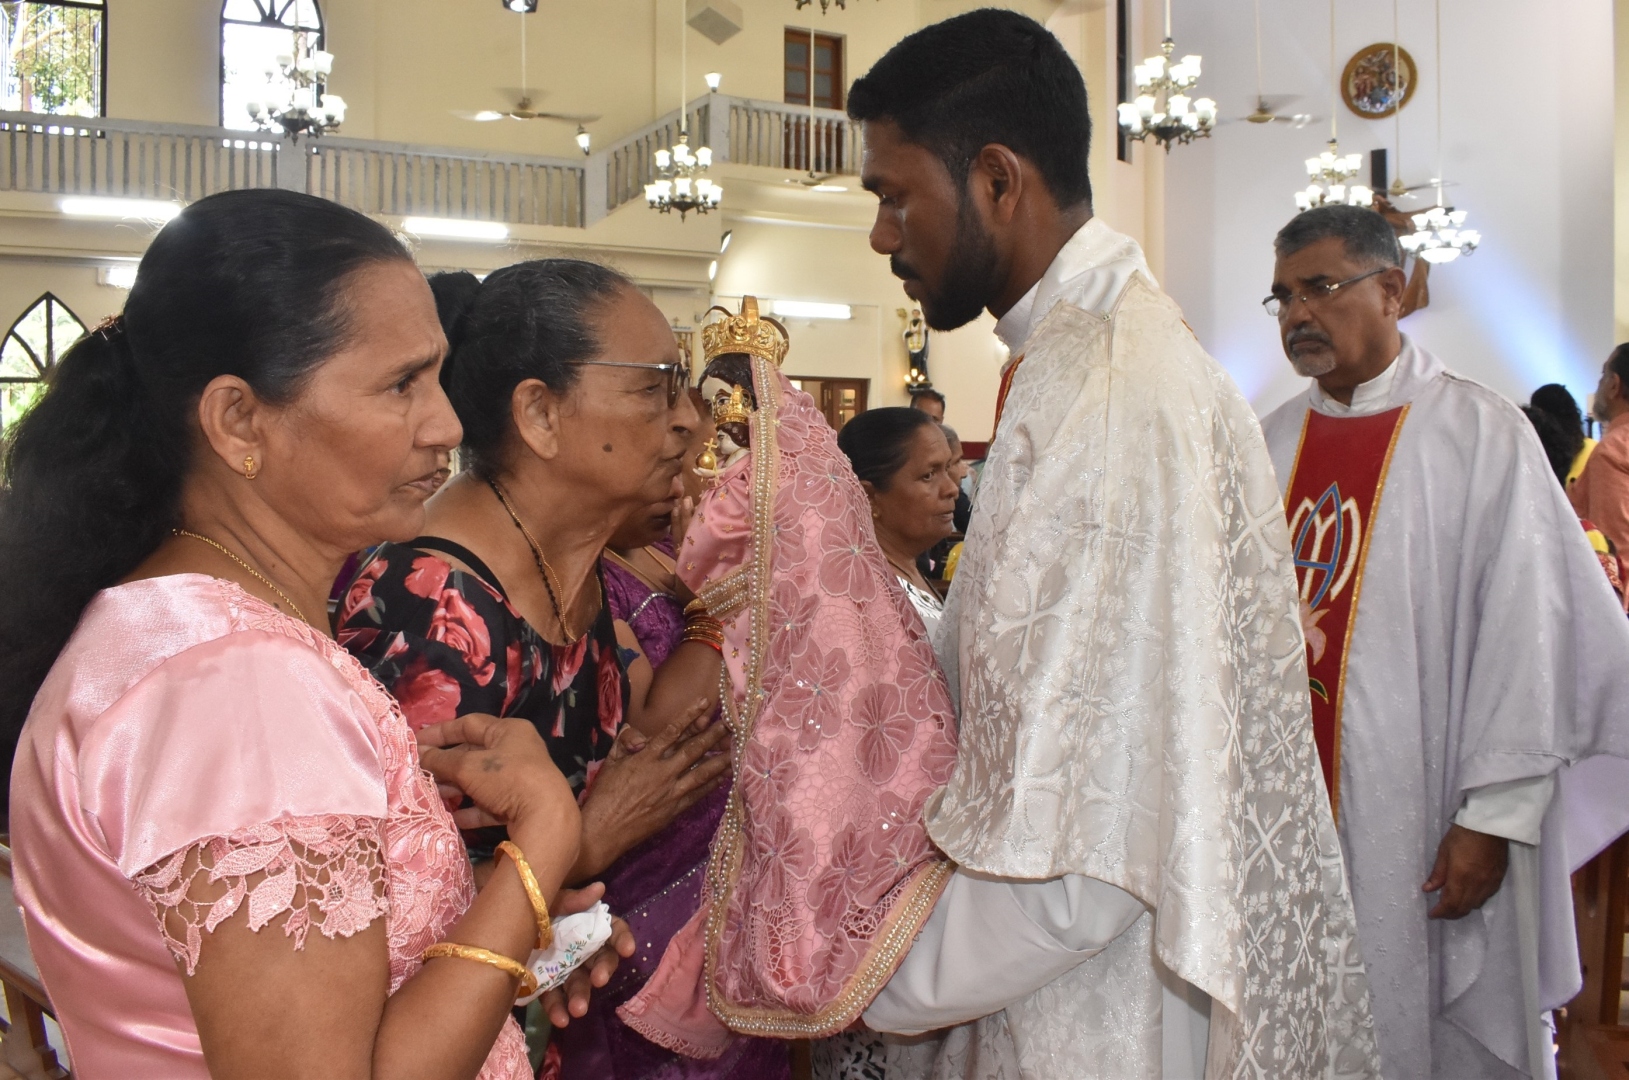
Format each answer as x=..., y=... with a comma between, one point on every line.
x=164, y=60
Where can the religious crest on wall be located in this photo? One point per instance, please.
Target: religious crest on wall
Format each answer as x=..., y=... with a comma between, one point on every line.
x=1378, y=80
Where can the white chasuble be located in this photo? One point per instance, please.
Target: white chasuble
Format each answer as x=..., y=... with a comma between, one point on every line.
x=1487, y=653
x=1123, y=633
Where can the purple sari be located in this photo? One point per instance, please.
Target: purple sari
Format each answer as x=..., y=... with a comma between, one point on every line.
x=657, y=888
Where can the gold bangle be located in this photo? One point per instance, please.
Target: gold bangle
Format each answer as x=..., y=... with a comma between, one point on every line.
x=508, y=965
x=695, y=607
x=534, y=892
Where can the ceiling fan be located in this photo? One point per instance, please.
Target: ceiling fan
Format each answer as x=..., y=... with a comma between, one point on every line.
x=1267, y=113
x=1267, y=107
x=522, y=108
x=1398, y=189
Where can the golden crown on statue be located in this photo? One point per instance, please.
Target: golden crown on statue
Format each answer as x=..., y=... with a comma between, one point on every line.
x=745, y=333
x=732, y=410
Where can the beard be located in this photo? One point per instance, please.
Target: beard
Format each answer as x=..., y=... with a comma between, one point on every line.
x=970, y=273
x=1314, y=365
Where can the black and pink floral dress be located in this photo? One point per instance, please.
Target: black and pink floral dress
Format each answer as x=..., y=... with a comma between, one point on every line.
x=446, y=642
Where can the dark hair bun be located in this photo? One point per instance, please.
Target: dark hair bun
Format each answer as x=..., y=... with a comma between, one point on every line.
x=455, y=295
x=531, y=320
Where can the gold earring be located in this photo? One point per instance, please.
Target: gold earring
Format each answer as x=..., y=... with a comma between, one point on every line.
x=249, y=470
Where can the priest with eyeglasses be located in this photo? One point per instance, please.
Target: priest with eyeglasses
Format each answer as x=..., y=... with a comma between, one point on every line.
x=1467, y=663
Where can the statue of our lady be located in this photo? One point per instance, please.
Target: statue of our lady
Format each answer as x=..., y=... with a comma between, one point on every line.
x=821, y=873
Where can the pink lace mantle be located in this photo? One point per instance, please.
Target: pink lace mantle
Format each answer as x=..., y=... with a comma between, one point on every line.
x=334, y=872
x=822, y=871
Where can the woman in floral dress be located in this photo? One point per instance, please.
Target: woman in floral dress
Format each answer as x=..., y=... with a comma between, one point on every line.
x=570, y=389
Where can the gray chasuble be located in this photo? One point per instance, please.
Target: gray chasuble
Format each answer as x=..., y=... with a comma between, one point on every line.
x=1469, y=651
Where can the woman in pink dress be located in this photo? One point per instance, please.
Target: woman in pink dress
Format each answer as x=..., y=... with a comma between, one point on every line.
x=225, y=849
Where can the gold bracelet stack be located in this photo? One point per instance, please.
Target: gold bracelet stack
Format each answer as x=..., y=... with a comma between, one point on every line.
x=508, y=965
x=534, y=893
x=700, y=626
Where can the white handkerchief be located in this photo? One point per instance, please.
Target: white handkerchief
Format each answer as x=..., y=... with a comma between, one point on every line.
x=576, y=938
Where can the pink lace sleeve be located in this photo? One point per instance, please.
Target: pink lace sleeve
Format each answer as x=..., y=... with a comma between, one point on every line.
x=326, y=871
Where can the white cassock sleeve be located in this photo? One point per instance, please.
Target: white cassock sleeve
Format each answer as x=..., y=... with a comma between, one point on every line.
x=992, y=942
x=1513, y=809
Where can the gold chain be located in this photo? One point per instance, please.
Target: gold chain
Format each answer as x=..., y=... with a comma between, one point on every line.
x=551, y=582
x=224, y=550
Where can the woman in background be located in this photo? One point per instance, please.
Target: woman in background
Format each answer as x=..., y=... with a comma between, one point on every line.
x=1557, y=402
x=902, y=459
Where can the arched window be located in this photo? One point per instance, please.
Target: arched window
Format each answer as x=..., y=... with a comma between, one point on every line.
x=254, y=33
x=32, y=347
x=53, y=57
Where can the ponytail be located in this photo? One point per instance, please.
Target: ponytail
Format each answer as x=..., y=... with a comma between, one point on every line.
x=246, y=283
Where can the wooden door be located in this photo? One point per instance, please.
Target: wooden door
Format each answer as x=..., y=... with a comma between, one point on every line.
x=840, y=400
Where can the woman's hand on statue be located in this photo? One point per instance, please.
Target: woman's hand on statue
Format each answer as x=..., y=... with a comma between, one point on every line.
x=505, y=769
x=683, y=514
x=571, y=998
x=646, y=783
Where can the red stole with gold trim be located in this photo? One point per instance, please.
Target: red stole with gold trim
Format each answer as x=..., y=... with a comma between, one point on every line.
x=1334, y=493
x=1001, y=393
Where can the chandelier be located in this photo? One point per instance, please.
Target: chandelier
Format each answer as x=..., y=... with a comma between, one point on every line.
x=1330, y=172
x=1165, y=108
x=1439, y=234
x=681, y=183
x=825, y=5
x=294, y=99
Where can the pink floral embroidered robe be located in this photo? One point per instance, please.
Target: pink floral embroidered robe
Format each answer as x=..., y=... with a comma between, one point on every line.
x=821, y=873
x=190, y=733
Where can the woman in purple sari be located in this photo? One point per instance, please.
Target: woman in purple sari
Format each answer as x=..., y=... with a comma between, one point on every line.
x=656, y=886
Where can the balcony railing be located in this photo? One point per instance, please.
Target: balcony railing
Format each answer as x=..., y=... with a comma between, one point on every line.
x=60, y=155
x=746, y=131
x=393, y=178
x=70, y=155
x=779, y=136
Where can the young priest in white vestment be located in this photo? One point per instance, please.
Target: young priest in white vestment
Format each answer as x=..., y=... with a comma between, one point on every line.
x=1150, y=885
x=1464, y=650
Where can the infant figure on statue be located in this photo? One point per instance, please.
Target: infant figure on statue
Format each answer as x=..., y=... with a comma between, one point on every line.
x=821, y=873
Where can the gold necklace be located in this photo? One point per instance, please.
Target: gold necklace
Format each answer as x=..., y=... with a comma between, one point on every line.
x=653, y=585
x=224, y=550
x=551, y=583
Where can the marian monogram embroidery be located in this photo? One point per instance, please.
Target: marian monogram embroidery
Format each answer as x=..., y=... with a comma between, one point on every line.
x=1340, y=471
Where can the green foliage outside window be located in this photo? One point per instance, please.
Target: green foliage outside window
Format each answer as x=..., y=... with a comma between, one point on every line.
x=52, y=62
